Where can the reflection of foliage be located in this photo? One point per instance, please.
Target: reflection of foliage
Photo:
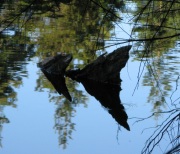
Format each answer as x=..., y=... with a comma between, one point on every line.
x=65, y=110
x=80, y=31
x=23, y=10
x=63, y=122
x=14, y=52
x=154, y=20
x=161, y=86
x=157, y=19
x=63, y=117
x=64, y=113
x=1, y=127
x=12, y=67
x=80, y=28
x=3, y=120
x=7, y=96
x=156, y=31
x=161, y=77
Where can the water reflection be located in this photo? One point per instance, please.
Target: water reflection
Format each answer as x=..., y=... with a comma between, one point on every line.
x=109, y=97
x=13, y=60
x=3, y=120
x=80, y=31
x=82, y=28
x=100, y=79
x=54, y=69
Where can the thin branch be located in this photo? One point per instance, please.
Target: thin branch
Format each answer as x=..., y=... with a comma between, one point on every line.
x=106, y=10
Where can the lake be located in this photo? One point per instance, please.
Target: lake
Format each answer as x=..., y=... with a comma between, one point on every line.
x=34, y=118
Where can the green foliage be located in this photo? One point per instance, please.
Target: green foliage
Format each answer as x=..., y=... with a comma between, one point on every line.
x=55, y=26
x=159, y=19
x=80, y=27
x=156, y=20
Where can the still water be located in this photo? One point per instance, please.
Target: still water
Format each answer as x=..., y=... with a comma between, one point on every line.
x=31, y=127
x=35, y=119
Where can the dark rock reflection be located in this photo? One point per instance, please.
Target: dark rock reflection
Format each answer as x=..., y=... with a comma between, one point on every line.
x=100, y=78
x=54, y=69
x=109, y=97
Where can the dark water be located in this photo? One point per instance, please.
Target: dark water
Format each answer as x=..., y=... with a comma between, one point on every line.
x=34, y=118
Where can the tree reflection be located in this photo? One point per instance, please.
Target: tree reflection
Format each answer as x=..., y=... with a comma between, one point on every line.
x=156, y=19
x=14, y=53
x=157, y=26
x=81, y=28
x=80, y=31
x=3, y=120
x=77, y=29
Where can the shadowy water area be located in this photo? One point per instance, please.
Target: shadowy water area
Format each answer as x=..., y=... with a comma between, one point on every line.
x=89, y=77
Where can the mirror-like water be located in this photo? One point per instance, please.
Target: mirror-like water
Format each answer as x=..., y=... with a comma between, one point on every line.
x=34, y=118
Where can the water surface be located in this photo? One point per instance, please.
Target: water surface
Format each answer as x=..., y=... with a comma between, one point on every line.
x=34, y=118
